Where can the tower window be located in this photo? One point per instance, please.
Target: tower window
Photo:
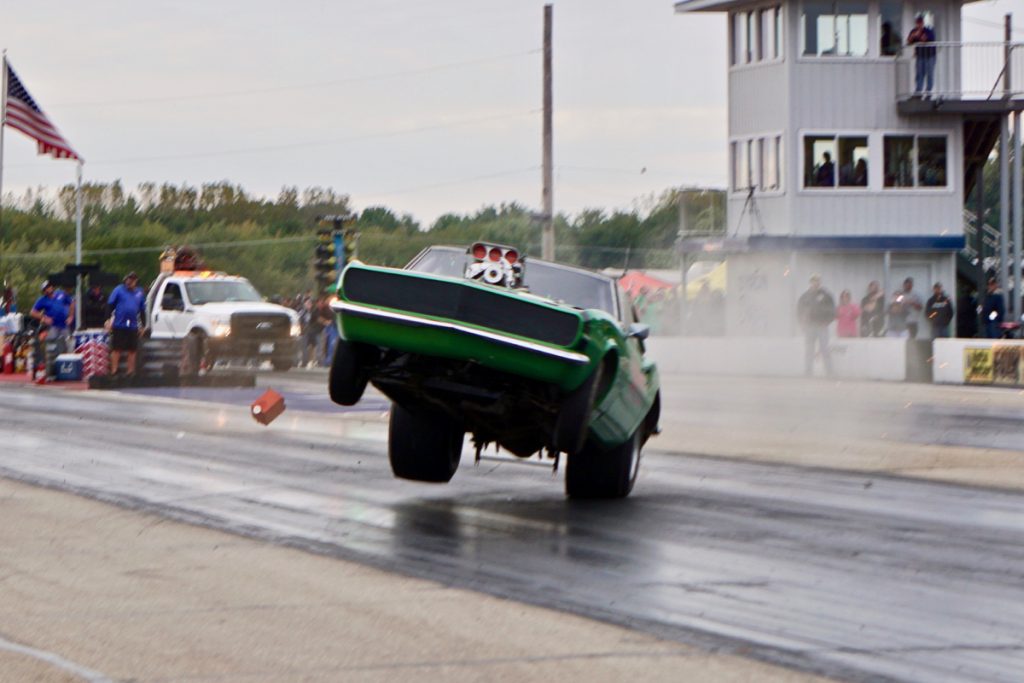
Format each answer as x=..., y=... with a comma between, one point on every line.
x=835, y=161
x=835, y=28
x=756, y=36
x=915, y=160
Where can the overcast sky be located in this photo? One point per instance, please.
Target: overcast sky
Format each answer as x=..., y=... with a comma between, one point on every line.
x=425, y=107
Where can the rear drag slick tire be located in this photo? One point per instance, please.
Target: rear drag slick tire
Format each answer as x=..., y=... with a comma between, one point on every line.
x=423, y=446
x=603, y=473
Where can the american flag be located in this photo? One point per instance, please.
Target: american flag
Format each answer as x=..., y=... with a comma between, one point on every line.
x=25, y=115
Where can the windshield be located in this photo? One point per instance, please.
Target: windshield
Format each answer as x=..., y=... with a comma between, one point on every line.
x=210, y=291
x=575, y=287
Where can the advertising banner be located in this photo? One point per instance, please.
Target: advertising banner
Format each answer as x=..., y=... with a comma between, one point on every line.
x=1001, y=364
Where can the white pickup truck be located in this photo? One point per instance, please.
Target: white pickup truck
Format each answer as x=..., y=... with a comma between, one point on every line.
x=217, y=317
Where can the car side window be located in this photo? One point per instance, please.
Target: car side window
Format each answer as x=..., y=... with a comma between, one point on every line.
x=172, y=299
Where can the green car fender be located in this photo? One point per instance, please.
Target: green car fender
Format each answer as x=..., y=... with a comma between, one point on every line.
x=628, y=382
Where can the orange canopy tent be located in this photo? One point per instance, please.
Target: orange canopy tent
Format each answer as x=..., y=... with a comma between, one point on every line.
x=636, y=280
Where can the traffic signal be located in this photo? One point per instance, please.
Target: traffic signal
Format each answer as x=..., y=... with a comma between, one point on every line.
x=325, y=262
x=335, y=248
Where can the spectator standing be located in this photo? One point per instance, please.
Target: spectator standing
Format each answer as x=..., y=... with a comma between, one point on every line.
x=54, y=313
x=128, y=306
x=939, y=311
x=325, y=348
x=816, y=310
x=847, y=315
x=311, y=329
x=914, y=307
x=872, y=311
x=924, y=55
x=993, y=310
x=94, y=308
x=967, y=314
x=899, y=311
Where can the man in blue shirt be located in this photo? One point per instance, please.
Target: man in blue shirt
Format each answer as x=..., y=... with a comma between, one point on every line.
x=128, y=304
x=924, y=55
x=55, y=313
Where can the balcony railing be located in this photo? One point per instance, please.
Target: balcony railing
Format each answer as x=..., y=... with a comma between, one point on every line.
x=961, y=71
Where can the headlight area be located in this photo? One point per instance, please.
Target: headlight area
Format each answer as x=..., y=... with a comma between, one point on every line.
x=221, y=329
x=296, y=329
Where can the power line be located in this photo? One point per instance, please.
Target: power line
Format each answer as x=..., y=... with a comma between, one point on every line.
x=297, y=145
x=638, y=172
x=306, y=86
x=157, y=248
x=448, y=183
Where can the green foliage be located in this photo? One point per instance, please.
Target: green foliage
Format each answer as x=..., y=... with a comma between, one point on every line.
x=271, y=242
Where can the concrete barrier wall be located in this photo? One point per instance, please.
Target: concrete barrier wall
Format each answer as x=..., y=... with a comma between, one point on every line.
x=948, y=364
x=883, y=359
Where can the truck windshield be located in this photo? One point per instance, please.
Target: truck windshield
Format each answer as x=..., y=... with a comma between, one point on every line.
x=211, y=291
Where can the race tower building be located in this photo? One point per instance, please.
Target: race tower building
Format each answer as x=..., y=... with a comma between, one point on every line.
x=841, y=162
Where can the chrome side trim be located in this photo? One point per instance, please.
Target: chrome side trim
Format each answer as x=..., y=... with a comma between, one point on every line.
x=339, y=306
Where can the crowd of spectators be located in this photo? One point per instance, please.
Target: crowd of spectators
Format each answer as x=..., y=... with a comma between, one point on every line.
x=319, y=334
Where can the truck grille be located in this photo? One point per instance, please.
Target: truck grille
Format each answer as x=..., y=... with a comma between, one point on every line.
x=461, y=302
x=260, y=326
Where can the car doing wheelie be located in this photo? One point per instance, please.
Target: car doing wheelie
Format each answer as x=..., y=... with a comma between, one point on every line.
x=536, y=357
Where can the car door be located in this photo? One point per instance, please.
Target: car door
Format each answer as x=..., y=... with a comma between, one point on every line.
x=170, y=319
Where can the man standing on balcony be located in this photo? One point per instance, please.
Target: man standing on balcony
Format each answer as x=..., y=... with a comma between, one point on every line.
x=924, y=54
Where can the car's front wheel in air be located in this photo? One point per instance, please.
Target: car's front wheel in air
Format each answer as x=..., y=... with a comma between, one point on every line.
x=349, y=376
x=594, y=472
x=423, y=446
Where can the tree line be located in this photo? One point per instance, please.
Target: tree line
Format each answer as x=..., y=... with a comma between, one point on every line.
x=271, y=241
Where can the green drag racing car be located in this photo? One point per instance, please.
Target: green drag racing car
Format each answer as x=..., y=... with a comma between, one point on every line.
x=537, y=357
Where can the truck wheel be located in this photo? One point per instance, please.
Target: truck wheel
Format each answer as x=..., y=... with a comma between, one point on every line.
x=423, y=447
x=193, y=349
x=574, y=414
x=603, y=473
x=348, y=377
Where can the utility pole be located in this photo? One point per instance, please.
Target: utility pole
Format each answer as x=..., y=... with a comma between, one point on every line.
x=1004, y=170
x=547, y=248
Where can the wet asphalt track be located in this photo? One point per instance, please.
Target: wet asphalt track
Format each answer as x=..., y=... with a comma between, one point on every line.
x=861, y=578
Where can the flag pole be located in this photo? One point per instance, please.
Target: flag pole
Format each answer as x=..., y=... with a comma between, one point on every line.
x=78, y=248
x=3, y=123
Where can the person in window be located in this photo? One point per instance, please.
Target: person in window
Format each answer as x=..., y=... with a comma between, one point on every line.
x=860, y=173
x=924, y=55
x=825, y=174
x=890, y=42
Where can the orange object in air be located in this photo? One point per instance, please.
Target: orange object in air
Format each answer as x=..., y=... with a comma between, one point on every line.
x=268, y=407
